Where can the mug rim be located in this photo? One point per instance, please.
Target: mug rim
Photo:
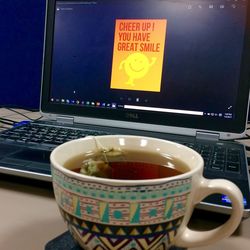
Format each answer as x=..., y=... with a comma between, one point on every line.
x=70, y=173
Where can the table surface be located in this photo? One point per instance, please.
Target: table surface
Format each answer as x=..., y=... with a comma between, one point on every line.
x=29, y=216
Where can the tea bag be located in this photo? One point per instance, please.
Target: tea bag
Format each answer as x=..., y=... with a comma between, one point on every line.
x=94, y=167
x=99, y=164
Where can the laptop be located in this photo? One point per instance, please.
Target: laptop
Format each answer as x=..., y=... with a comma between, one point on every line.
x=176, y=70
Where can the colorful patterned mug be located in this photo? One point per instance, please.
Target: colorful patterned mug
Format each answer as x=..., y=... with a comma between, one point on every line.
x=104, y=214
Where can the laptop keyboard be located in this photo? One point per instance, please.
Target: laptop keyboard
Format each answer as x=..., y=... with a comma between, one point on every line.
x=219, y=158
x=216, y=157
x=52, y=136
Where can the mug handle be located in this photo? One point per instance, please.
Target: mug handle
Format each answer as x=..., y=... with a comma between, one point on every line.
x=206, y=187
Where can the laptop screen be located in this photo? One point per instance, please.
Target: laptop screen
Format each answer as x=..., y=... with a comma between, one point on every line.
x=161, y=62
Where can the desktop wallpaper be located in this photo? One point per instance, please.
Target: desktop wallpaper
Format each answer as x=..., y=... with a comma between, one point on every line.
x=198, y=64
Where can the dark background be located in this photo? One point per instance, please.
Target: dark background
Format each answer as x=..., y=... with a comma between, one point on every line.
x=202, y=53
x=21, y=45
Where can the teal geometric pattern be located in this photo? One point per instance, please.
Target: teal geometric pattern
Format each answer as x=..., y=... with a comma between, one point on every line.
x=108, y=192
x=122, y=205
x=169, y=208
x=104, y=212
x=153, y=212
x=89, y=209
x=135, y=213
x=78, y=209
x=118, y=214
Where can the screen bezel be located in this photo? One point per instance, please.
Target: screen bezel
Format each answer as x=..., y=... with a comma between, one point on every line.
x=236, y=125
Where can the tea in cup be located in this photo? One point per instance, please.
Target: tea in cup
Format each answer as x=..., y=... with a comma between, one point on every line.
x=135, y=193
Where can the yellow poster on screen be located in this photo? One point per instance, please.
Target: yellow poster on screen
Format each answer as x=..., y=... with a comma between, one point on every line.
x=138, y=54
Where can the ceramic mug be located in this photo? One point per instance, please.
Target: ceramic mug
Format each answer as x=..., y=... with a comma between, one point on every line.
x=104, y=213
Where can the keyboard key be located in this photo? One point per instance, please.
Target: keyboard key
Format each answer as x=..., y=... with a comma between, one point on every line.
x=233, y=167
x=218, y=167
x=233, y=158
x=233, y=151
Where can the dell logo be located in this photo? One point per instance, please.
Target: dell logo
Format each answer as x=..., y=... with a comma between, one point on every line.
x=132, y=115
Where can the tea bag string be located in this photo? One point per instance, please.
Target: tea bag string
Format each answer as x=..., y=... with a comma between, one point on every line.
x=104, y=151
x=99, y=147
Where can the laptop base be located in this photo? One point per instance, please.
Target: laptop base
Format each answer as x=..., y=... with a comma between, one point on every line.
x=31, y=159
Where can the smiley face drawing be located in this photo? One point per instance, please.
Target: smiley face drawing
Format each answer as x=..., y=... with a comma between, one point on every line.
x=136, y=66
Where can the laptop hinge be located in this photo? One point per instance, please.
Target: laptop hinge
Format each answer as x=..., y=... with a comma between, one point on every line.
x=65, y=120
x=207, y=136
